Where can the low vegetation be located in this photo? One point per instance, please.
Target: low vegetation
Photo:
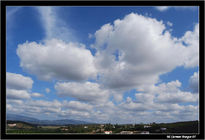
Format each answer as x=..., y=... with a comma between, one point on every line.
x=19, y=127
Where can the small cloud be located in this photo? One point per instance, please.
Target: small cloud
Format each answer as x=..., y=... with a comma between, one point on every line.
x=194, y=82
x=18, y=81
x=47, y=90
x=169, y=23
x=162, y=8
x=90, y=36
x=36, y=95
x=170, y=30
x=148, y=14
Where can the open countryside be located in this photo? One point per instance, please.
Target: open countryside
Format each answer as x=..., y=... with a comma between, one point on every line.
x=20, y=127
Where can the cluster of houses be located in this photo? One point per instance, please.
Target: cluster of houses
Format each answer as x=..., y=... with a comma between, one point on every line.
x=147, y=126
x=85, y=126
x=144, y=132
x=135, y=132
x=108, y=132
x=102, y=130
x=64, y=129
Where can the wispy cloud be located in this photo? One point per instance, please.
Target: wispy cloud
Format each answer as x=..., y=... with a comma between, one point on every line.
x=10, y=17
x=11, y=11
x=165, y=8
x=54, y=26
x=162, y=8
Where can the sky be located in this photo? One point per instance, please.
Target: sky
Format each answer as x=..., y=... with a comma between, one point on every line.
x=103, y=64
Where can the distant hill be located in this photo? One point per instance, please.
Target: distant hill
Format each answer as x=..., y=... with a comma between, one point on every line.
x=15, y=117
x=20, y=124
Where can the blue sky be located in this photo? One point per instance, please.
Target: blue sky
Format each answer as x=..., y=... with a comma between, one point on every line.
x=60, y=49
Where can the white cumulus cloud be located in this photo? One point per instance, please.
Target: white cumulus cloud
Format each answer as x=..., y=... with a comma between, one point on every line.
x=76, y=105
x=90, y=92
x=170, y=93
x=56, y=59
x=17, y=94
x=18, y=81
x=145, y=50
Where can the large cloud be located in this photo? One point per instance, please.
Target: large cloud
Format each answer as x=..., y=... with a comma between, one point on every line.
x=56, y=59
x=90, y=92
x=18, y=81
x=143, y=50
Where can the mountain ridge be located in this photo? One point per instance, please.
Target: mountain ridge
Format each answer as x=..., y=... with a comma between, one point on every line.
x=15, y=117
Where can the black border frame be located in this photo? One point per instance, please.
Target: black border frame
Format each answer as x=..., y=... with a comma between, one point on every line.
x=99, y=3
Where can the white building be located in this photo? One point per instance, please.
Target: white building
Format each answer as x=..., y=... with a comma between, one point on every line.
x=147, y=126
x=144, y=132
x=163, y=129
x=108, y=132
x=85, y=126
x=12, y=125
x=64, y=129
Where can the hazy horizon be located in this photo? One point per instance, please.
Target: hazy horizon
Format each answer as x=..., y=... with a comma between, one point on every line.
x=95, y=122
